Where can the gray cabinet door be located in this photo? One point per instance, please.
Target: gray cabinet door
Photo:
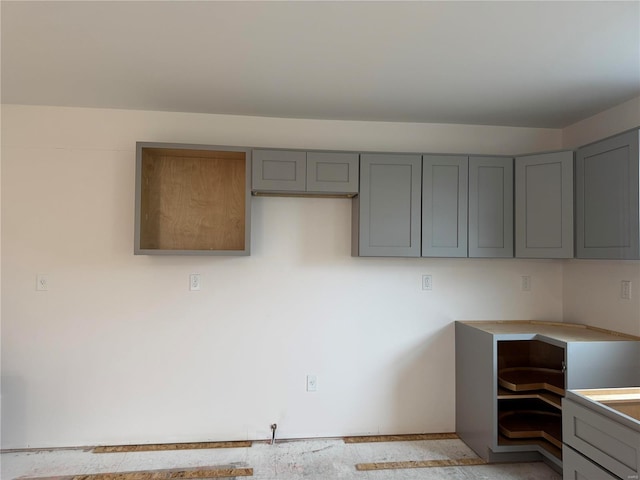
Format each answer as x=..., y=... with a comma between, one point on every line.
x=544, y=205
x=279, y=170
x=387, y=211
x=607, y=198
x=609, y=443
x=332, y=172
x=490, y=207
x=575, y=466
x=444, y=205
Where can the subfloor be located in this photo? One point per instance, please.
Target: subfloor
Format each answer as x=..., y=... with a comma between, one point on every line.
x=316, y=459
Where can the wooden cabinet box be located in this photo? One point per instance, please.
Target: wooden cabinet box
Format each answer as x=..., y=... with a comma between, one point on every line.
x=607, y=198
x=192, y=199
x=544, y=205
x=300, y=172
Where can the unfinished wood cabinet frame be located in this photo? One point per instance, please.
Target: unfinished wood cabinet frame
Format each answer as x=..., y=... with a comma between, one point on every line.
x=192, y=199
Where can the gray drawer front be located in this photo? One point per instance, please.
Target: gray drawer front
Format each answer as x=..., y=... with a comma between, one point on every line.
x=577, y=467
x=279, y=170
x=332, y=172
x=606, y=442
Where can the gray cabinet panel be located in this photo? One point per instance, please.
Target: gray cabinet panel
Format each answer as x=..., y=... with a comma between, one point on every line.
x=608, y=443
x=444, y=205
x=607, y=205
x=389, y=205
x=585, y=373
x=279, y=170
x=482, y=349
x=476, y=385
x=332, y=172
x=490, y=207
x=577, y=467
x=544, y=205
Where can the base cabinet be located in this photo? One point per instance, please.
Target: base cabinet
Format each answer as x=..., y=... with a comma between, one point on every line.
x=577, y=467
x=599, y=434
x=511, y=378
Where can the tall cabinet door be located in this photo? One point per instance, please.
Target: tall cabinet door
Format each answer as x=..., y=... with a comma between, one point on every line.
x=444, y=205
x=607, y=198
x=388, y=208
x=544, y=205
x=490, y=207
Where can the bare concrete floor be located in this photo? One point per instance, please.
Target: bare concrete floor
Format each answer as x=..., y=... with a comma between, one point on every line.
x=320, y=459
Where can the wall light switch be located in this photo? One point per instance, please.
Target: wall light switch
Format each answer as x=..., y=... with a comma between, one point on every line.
x=42, y=282
x=625, y=289
x=312, y=383
x=194, y=282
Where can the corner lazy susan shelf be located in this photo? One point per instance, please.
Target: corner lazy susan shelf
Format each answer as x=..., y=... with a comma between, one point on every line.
x=512, y=376
x=192, y=199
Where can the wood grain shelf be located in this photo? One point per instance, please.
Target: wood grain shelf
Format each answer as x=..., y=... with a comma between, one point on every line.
x=548, y=446
x=192, y=199
x=549, y=398
x=520, y=379
x=532, y=424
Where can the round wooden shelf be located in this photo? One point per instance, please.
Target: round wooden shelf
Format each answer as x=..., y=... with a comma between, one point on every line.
x=532, y=424
x=519, y=379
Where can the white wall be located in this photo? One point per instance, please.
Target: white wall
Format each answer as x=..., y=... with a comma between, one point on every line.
x=119, y=351
x=592, y=287
x=604, y=124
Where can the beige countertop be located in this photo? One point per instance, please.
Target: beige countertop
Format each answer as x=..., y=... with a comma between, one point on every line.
x=566, y=332
x=620, y=404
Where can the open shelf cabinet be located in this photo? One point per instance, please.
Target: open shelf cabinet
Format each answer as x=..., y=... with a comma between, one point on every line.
x=192, y=199
x=531, y=384
x=512, y=376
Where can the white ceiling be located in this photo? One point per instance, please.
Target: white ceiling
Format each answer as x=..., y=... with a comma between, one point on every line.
x=539, y=64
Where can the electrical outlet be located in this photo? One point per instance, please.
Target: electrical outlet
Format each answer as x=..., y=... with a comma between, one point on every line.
x=427, y=283
x=625, y=289
x=194, y=282
x=312, y=383
x=42, y=282
x=525, y=283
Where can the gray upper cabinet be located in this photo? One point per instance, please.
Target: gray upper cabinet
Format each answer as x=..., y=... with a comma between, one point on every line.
x=444, y=205
x=386, y=215
x=490, y=207
x=332, y=172
x=607, y=216
x=544, y=205
x=279, y=170
x=299, y=172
